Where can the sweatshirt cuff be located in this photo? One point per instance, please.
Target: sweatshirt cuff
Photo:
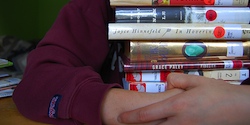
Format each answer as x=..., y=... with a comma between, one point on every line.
x=86, y=105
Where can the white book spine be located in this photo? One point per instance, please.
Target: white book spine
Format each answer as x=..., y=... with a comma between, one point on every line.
x=218, y=14
x=6, y=93
x=150, y=87
x=169, y=31
x=9, y=81
x=158, y=76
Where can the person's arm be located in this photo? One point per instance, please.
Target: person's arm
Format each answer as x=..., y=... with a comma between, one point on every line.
x=117, y=101
x=62, y=82
x=205, y=101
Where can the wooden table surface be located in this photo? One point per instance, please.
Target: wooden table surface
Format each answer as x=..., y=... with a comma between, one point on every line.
x=9, y=114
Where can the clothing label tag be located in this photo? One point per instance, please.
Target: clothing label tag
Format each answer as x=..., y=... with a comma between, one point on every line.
x=53, y=106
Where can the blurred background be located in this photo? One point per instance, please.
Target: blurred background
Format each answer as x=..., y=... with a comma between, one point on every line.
x=28, y=19
x=23, y=23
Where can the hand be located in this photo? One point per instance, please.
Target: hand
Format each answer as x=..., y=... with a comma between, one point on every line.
x=205, y=102
x=117, y=101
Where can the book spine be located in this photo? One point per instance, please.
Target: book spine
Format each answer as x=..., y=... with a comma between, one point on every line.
x=192, y=50
x=156, y=87
x=4, y=75
x=148, y=76
x=240, y=75
x=233, y=15
x=6, y=93
x=182, y=15
x=177, y=31
x=150, y=87
x=3, y=61
x=204, y=65
x=8, y=87
x=9, y=81
x=161, y=76
x=179, y=2
x=6, y=65
x=151, y=15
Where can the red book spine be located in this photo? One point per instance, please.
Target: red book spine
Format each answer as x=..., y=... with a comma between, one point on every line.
x=151, y=87
x=164, y=66
x=147, y=76
x=179, y=2
x=191, y=2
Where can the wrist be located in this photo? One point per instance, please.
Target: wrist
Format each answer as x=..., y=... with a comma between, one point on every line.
x=117, y=101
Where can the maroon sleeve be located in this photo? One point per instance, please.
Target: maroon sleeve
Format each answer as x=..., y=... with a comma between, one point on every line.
x=62, y=82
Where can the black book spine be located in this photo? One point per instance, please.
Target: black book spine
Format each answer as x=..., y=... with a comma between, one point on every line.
x=150, y=15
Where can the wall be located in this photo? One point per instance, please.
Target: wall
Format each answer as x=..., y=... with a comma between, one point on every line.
x=28, y=19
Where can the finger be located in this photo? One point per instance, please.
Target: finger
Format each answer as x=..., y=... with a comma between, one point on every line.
x=185, y=81
x=135, y=117
x=157, y=111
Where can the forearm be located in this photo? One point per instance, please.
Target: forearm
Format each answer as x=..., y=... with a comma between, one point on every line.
x=205, y=101
x=119, y=100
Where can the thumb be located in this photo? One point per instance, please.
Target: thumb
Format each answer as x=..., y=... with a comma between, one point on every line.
x=186, y=81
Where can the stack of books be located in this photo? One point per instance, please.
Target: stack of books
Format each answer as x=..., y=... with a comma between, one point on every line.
x=210, y=38
x=7, y=82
